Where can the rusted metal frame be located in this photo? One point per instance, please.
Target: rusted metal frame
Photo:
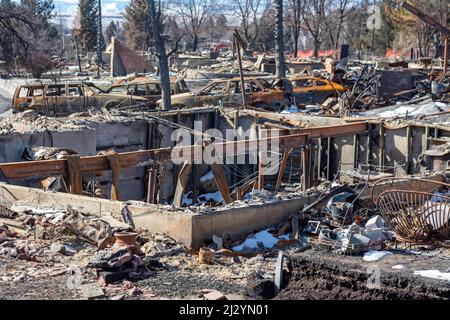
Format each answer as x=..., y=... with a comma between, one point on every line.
x=355, y=151
x=369, y=143
x=409, y=141
x=382, y=141
x=423, y=125
x=305, y=166
x=239, y=43
x=310, y=165
x=404, y=179
x=319, y=158
x=425, y=18
x=427, y=139
x=334, y=131
x=235, y=127
x=404, y=212
x=329, y=141
x=321, y=132
x=151, y=189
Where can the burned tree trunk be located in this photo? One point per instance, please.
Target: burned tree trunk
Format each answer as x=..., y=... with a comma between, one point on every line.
x=195, y=43
x=160, y=52
x=316, y=49
x=279, y=44
x=296, y=36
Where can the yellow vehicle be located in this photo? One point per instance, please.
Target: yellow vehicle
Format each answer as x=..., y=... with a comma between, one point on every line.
x=259, y=92
x=314, y=90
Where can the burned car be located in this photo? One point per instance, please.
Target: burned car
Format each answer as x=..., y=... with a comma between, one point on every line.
x=149, y=89
x=260, y=93
x=66, y=98
x=314, y=90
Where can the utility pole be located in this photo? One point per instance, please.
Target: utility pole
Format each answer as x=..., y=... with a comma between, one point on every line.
x=61, y=30
x=279, y=43
x=373, y=34
x=99, y=37
x=77, y=49
x=238, y=43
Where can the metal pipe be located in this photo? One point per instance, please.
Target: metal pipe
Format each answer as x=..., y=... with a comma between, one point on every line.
x=445, y=56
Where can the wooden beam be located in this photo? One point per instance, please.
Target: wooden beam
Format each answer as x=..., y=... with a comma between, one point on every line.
x=182, y=182
x=90, y=164
x=282, y=168
x=305, y=167
x=221, y=181
x=73, y=168
x=114, y=163
x=261, y=171
x=324, y=132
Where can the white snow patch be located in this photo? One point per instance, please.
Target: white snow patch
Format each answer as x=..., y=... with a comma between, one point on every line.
x=398, y=267
x=375, y=255
x=207, y=176
x=434, y=274
x=427, y=107
x=58, y=217
x=186, y=200
x=264, y=237
x=291, y=109
x=216, y=196
x=398, y=112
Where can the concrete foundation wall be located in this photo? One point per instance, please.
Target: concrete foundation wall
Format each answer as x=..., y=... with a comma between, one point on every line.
x=238, y=222
x=190, y=229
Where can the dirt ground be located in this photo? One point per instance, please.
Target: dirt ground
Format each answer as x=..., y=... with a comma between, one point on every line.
x=324, y=275
x=183, y=279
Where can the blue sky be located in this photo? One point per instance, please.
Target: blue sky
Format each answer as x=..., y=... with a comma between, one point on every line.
x=115, y=7
x=109, y=7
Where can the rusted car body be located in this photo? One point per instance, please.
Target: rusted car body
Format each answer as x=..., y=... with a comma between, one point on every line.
x=314, y=90
x=66, y=98
x=147, y=88
x=260, y=93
